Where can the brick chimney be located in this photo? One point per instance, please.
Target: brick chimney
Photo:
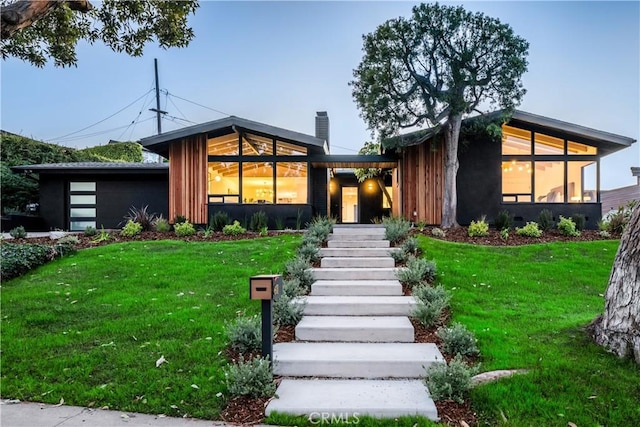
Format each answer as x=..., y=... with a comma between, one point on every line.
x=322, y=126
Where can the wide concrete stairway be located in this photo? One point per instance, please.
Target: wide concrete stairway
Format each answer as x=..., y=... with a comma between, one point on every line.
x=354, y=352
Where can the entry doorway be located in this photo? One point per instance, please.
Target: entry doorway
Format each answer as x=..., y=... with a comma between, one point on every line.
x=349, y=204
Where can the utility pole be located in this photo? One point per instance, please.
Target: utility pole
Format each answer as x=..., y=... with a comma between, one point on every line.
x=157, y=110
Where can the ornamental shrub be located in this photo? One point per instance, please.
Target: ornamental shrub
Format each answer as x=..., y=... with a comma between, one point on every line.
x=252, y=378
x=396, y=229
x=142, y=216
x=545, y=220
x=286, y=311
x=17, y=259
x=504, y=220
x=479, y=228
x=90, y=231
x=580, y=220
x=245, y=334
x=258, y=221
x=417, y=271
x=457, y=339
x=162, y=225
x=219, y=220
x=131, y=229
x=529, y=230
x=18, y=233
x=410, y=246
x=438, y=232
x=450, y=382
x=567, y=227
x=298, y=268
x=428, y=313
x=309, y=251
x=427, y=294
x=184, y=229
x=233, y=229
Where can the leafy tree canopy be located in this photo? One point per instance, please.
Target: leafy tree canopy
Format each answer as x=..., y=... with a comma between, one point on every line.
x=369, y=148
x=38, y=30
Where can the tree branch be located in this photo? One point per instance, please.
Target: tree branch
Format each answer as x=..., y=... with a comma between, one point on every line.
x=23, y=13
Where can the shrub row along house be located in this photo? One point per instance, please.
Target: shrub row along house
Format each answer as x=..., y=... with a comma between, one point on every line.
x=241, y=167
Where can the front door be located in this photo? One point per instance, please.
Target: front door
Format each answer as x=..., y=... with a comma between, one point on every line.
x=349, y=204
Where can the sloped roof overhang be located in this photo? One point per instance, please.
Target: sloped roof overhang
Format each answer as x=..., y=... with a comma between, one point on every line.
x=353, y=161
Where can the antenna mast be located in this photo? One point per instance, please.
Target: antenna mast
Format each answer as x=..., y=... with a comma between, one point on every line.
x=157, y=110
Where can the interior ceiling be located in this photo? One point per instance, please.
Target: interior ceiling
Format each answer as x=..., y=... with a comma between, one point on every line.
x=260, y=169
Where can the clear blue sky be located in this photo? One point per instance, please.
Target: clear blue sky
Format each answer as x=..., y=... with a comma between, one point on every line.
x=279, y=63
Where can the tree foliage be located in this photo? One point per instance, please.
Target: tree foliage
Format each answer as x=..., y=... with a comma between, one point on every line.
x=369, y=148
x=435, y=68
x=36, y=30
x=19, y=189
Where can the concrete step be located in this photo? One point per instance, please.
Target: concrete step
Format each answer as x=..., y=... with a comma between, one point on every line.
x=387, y=273
x=365, y=235
x=354, y=360
x=357, y=252
x=352, y=399
x=357, y=262
x=356, y=287
x=336, y=305
x=357, y=244
x=355, y=329
x=379, y=231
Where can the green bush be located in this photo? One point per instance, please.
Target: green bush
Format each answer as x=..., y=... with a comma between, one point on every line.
x=258, y=221
x=184, y=229
x=428, y=313
x=162, y=225
x=450, y=382
x=179, y=219
x=427, y=294
x=142, y=216
x=504, y=234
x=309, y=251
x=567, y=227
x=298, y=269
x=396, y=229
x=320, y=228
x=131, y=229
x=292, y=288
x=400, y=257
x=311, y=239
x=208, y=232
x=457, y=339
x=102, y=236
x=438, y=232
x=66, y=245
x=279, y=221
x=17, y=259
x=233, y=229
x=580, y=221
x=90, y=231
x=252, y=378
x=616, y=222
x=245, y=334
x=529, y=230
x=417, y=271
x=410, y=246
x=18, y=233
x=504, y=220
x=479, y=228
x=285, y=312
x=545, y=220
x=219, y=219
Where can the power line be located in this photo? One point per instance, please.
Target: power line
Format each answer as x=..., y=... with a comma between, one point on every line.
x=98, y=122
x=199, y=105
x=88, y=135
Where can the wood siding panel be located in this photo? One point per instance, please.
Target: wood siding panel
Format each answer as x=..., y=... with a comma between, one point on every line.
x=422, y=175
x=188, y=179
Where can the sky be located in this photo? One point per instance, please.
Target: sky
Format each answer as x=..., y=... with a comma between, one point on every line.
x=280, y=62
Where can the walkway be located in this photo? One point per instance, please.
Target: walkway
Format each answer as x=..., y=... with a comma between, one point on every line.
x=354, y=352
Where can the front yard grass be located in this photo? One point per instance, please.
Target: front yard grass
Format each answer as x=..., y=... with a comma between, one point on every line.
x=529, y=306
x=89, y=328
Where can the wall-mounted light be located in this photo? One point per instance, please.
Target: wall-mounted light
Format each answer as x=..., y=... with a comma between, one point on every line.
x=370, y=186
x=217, y=178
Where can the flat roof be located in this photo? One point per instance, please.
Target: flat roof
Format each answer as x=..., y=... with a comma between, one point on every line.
x=230, y=123
x=349, y=161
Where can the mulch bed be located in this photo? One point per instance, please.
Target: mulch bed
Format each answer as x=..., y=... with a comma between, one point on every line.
x=456, y=414
x=244, y=410
x=286, y=333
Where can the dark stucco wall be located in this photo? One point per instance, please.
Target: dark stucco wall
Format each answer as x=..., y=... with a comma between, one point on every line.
x=53, y=201
x=290, y=216
x=319, y=184
x=116, y=195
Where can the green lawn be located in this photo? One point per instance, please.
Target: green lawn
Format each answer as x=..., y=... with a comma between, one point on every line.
x=89, y=328
x=528, y=307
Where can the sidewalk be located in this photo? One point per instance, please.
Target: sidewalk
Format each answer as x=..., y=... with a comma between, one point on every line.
x=25, y=414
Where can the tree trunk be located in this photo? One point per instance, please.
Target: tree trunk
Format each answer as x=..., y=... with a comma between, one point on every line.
x=450, y=193
x=618, y=329
x=385, y=193
x=23, y=13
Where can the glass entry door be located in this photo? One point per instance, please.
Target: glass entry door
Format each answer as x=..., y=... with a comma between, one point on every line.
x=349, y=204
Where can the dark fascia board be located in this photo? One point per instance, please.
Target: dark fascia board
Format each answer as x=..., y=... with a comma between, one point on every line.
x=361, y=160
x=230, y=122
x=635, y=171
x=573, y=129
x=95, y=168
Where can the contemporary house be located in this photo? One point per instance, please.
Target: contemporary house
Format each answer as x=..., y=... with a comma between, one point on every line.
x=241, y=167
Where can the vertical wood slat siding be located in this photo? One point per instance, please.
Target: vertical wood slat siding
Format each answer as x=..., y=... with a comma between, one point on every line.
x=422, y=177
x=188, y=179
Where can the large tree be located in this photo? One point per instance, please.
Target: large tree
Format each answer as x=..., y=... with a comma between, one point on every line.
x=38, y=30
x=434, y=69
x=618, y=329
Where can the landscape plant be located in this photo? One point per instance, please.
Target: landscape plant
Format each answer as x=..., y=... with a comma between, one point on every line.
x=19, y=258
x=457, y=339
x=298, y=268
x=258, y=221
x=450, y=381
x=162, y=225
x=504, y=220
x=396, y=229
x=417, y=270
x=251, y=378
x=529, y=230
x=184, y=229
x=102, y=236
x=479, y=228
x=580, y=220
x=131, y=229
x=567, y=227
x=233, y=229
x=90, y=231
x=545, y=220
x=286, y=311
x=18, y=232
x=309, y=251
x=438, y=232
x=219, y=219
x=244, y=334
x=142, y=216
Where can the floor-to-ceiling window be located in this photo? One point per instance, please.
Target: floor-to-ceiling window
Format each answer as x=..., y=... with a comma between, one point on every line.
x=541, y=168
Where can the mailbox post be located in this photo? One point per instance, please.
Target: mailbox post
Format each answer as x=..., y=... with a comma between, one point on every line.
x=266, y=288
